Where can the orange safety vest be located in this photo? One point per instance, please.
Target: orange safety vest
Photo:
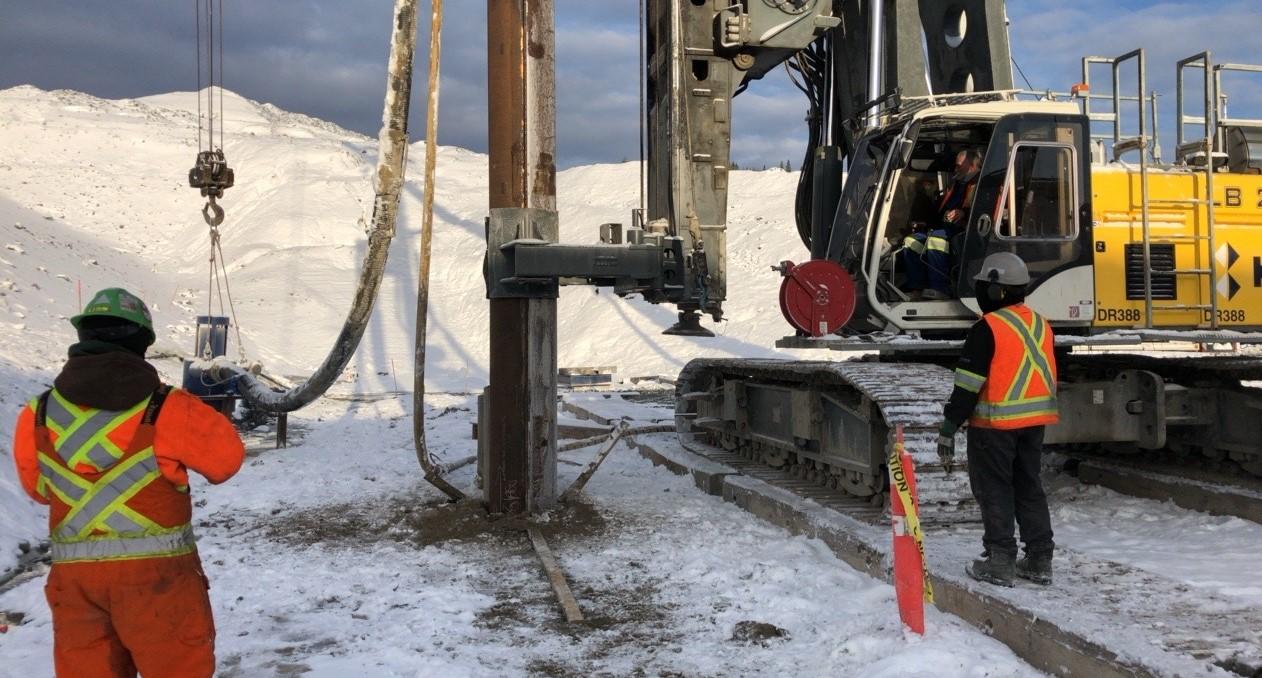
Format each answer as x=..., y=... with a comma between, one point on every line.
x=1020, y=390
x=108, y=499
x=970, y=189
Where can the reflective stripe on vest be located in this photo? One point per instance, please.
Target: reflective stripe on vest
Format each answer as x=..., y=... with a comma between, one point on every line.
x=83, y=434
x=969, y=381
x=175, y=542
x=102, y=506
x=1021, y=409
x=1015, y=400
x=99, y=525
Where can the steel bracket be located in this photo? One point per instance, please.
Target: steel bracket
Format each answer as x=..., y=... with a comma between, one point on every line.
x=522, y=227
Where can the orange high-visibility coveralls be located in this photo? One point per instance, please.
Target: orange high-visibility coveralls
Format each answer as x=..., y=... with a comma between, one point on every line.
x=126, y=588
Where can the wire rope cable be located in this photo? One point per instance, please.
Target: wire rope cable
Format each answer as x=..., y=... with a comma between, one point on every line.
x=221, y=113
x=641, y=86
x=197, y=23
x=218, y=285
x=1022, y=72
x=210, y=64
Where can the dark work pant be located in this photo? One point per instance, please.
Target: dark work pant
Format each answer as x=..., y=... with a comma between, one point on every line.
x=930, y=267
x=1003, y=469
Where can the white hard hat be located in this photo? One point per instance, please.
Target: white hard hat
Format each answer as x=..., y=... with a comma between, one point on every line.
x=1004, y=268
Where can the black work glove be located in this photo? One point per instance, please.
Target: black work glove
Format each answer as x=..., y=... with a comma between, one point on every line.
x=946, y=446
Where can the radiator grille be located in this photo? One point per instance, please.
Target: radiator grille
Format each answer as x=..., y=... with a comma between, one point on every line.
x=1164, y=287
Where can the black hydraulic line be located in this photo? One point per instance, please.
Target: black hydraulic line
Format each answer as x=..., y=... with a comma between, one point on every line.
x=389, y=179
x=812, y=64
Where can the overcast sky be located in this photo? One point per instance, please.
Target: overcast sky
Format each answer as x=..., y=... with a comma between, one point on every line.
x=326, y=58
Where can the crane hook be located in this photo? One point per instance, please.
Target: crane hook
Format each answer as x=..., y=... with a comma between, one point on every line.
x=212, y=176
x=212, y=213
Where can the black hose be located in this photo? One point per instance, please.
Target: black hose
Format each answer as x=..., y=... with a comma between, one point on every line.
x=390, y=172
x=812, y=65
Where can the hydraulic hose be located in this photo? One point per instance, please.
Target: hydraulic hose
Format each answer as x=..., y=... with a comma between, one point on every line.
x=393, y=144
x=433, y=470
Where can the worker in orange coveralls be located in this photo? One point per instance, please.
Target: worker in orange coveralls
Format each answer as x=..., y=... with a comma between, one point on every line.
x=108, y=448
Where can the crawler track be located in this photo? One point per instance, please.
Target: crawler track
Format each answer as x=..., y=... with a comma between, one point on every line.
x=1213, y=424
x=831, y=424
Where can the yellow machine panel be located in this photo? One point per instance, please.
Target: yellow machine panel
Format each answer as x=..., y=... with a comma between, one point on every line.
x=1203, y=274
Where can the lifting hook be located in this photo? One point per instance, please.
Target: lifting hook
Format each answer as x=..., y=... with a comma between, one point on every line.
x=212, y=213
x=212, y=176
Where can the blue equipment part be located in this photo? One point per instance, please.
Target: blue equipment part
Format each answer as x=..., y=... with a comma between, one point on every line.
x=211, y=342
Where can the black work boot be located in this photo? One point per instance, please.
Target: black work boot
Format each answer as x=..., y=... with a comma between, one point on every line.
x=994, y=568
x=1036, y=567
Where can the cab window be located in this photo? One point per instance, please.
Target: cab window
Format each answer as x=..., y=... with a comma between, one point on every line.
x=1039, y=199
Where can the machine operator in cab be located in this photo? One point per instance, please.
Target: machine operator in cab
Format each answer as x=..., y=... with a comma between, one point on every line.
x=108, y=449
x=1005, y=387
x=927, y=254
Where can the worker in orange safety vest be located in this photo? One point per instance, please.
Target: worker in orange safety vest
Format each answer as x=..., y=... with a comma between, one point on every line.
x=1005, y=386
x=108, y=449
x=926, y=255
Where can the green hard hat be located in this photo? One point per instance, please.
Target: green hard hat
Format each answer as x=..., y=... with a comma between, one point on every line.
x=116, y=302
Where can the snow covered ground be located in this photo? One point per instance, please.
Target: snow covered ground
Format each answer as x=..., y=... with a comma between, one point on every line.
x=1216, y=555
x=332, y=559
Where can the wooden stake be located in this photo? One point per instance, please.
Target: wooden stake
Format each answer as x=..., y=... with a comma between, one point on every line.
x=557, y=578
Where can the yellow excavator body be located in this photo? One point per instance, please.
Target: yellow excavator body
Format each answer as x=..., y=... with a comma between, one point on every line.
x=1204, y=273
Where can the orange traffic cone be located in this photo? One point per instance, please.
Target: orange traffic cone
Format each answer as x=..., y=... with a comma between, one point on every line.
x=910, y=585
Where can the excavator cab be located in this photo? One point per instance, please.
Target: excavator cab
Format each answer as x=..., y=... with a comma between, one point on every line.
x=1032, y=198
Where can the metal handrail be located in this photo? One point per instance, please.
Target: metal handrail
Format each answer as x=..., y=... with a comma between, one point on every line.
x=1137, y=144
x=1211, y=124
x=1201, y=62
x=1152, y=142
x=1221, y=97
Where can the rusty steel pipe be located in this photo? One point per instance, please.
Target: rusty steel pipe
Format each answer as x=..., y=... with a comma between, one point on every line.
x=521, y=397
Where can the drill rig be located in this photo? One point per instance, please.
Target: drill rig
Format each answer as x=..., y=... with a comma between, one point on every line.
x=1123, y=250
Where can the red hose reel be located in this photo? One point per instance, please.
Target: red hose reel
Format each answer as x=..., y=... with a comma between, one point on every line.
x=817, y=297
